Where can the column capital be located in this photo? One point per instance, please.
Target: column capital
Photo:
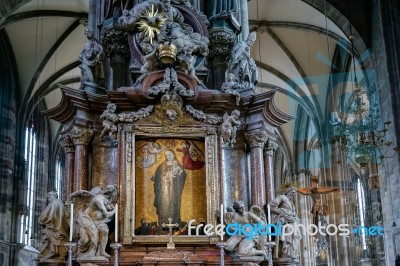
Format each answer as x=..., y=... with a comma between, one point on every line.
x=257, y=138
x=81, y=136
x=67, y=143
x=271, y=147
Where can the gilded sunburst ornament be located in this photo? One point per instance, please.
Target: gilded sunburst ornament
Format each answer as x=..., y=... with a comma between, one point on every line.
x=151, y=22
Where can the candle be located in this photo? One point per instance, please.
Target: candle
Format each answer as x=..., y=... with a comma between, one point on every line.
x=71, y=222
x=222, y=222
x=116, y=223
x=269, y=223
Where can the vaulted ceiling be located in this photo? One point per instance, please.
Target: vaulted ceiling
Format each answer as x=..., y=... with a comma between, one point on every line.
x=297, y=49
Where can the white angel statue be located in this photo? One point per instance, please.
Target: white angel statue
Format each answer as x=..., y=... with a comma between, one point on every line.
x=93, y=211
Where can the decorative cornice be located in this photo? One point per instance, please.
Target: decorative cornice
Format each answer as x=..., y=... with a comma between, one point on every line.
x=257, y=138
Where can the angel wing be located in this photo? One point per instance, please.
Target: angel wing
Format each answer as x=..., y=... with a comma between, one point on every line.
x=258, y=212
x=81, y=200
x=225, y=116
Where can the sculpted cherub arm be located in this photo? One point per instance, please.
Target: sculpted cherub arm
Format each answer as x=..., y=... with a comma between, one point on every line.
x=101, y=206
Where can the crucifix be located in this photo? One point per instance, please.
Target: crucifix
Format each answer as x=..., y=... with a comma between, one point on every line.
x=170, y=225
x=315, y=193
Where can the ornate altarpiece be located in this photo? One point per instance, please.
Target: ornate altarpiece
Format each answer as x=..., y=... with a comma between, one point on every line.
x=139, y=98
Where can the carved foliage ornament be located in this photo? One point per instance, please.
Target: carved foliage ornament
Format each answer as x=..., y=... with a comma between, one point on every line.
x=257, y=138
x=134, y=116
x=171, y=78
x=67, y=144
x=271, y=147
x=81, y=136
x=200, y=115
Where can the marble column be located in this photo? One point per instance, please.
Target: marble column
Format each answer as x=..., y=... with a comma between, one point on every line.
x=68, y=145
x=256, y=140
x=269, y=169
x=234, y=172
x=81, y=138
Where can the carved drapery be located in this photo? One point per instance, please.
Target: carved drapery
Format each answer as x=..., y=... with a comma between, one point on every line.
x=68, y=146
x=81, y=138
x=256, y=141
x=269, y=150
x=129, y=133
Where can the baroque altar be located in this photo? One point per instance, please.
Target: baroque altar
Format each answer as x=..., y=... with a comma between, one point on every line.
x=168, y=112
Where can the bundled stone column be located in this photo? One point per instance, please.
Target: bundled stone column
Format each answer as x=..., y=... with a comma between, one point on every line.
x=256, y=140
x=81, y=138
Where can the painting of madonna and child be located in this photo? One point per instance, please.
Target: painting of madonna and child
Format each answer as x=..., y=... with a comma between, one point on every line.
x=170, y=183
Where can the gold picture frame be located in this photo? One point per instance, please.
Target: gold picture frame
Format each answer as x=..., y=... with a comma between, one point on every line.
x=130, y=136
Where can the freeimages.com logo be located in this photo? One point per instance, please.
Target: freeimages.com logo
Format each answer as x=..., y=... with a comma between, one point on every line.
x=251, y=230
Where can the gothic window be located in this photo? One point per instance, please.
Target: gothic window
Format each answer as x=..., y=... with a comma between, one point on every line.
x=30, y=156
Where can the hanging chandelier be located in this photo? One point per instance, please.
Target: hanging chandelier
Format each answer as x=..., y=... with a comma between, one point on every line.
x=360, y=132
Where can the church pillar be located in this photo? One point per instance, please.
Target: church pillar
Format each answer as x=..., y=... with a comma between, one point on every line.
x=68, y=145
x=256, y=140
x=269, y=169
x=114, y=41
x=303, y=207
x=376, y=211
x=222, y=36
x=244, y=18
x=81, y=138
x=337, y=207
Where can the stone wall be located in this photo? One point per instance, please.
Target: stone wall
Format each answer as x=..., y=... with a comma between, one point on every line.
x=384, y=51
x=8, y=114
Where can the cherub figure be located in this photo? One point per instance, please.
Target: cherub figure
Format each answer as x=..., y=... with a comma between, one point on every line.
x=230, y=86
x=110, y=118
x=173, y=171
x=229, y=127
x=186, y=63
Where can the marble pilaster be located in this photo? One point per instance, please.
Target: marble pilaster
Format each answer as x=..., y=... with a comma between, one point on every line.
x=256, y=141
x=68, y=145
x=234, y=173
x=81, y=138
x=269, y=150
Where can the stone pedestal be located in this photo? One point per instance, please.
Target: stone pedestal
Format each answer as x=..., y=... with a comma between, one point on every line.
x=92, y=261
x=285, y=262
x=171, y=257
x=49, y=263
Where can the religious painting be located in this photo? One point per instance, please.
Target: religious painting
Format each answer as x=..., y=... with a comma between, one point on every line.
x=170, y=183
